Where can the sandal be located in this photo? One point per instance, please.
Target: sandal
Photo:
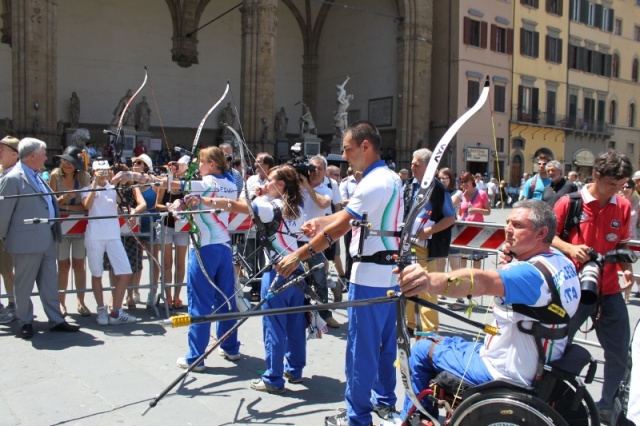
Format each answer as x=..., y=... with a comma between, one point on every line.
x=84, y=311
x=63, y=310
x=177, y=303
x=130, y=303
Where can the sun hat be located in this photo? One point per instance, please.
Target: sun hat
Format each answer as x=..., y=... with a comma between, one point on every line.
x=73, y=155
x=145, y=159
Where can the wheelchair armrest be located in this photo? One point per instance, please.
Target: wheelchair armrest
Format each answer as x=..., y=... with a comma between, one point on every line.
x=591, y=372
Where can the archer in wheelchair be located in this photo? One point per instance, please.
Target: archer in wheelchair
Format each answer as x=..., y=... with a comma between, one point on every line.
x=524, y=375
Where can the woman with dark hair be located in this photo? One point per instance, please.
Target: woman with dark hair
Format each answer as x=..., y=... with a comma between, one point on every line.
x=68, y=176
x=448, y=179
x=279, y=208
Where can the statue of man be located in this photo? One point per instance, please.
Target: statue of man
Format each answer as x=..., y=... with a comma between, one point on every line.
x=118, y=111
x=280, y=124
x=307, y=125
x=341, y=115
x=74, y=109
x=143, y=115
x=228, y=116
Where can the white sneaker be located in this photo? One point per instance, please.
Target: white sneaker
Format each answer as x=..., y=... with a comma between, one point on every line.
x=103, y=316
x=182, y=363
x=227, y=355
x=122, y=318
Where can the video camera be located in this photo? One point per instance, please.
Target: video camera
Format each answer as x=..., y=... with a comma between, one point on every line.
x=300, y=162
x=590, y=273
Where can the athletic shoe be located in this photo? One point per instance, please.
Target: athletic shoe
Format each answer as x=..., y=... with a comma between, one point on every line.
x=103, y=316
x=384, y=412
x=260, y=385
x=121, y=318
x=605, y=415
x=331, y=322
x=291, y=379
x=339, y=419
x=6, y=315
x=227, y=355
x=182, y=363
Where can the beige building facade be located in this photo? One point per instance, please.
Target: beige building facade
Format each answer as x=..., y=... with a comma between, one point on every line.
x=473, y=40
x=274, y=54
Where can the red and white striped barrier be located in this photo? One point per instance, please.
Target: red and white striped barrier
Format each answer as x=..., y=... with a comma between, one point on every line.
x=79, y=226
x=126, y=229
x=73, y=227
x=477, y=235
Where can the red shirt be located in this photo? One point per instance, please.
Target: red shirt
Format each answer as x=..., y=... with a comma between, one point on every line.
x=600, y=228
x=139, y=150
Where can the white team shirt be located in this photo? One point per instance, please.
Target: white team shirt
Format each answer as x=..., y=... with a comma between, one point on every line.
x=214, y=227
x=105, y=203
x=513, y=354
x=379, y=194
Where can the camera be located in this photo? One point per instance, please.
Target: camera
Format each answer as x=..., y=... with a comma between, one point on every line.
x=300, y=162
x=590, y=272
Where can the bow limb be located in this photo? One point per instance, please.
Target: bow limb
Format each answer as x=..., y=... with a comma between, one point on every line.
x=118, y=134
x=422, y=198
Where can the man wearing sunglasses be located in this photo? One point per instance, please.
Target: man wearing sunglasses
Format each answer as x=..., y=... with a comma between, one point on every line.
x=534, y=187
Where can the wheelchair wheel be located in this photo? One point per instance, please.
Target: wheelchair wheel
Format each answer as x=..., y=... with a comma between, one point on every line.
x=503, y=407
x=561, y=399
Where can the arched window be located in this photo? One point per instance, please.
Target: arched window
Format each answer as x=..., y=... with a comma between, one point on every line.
x=632, y=115
x=615, y=66
x=634, y=70
x=613, y=111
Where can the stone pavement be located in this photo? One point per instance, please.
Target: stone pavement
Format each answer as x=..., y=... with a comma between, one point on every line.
x=107, y=375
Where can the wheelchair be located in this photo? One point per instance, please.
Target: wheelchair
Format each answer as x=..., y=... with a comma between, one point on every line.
x=558, y=398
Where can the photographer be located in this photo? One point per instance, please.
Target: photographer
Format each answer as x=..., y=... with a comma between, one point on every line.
x=317, y=203
x=603, y=226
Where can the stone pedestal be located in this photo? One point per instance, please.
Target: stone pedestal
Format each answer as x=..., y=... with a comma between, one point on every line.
x=282, y=148
x=311, y=144
x=335, y=147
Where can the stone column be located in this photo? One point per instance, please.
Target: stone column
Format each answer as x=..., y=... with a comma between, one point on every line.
x=415, y=39
x=259, y=26
x=34, y=57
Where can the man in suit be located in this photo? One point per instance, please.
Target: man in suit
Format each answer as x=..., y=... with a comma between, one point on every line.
x=33, y=246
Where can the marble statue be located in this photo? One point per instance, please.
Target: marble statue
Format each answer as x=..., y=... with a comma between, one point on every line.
x=74, y=110
x=265, y=129
x=341, y=115
x=280, y=124
x=118, y=111
x=307, y=125
x=227, y=116
x=143, y=115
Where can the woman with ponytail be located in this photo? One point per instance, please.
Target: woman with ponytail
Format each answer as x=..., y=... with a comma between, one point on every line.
x=278, y=206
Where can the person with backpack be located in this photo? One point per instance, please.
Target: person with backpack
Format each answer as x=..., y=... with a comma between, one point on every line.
x=598, y=220
x=534, y=187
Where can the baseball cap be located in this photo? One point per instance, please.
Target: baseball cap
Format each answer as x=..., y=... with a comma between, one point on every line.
x=73, y=155
x=11, y=142
x=636, y=175
x=145, y=159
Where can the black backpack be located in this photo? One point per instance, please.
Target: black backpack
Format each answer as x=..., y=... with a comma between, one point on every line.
x=573, y=215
